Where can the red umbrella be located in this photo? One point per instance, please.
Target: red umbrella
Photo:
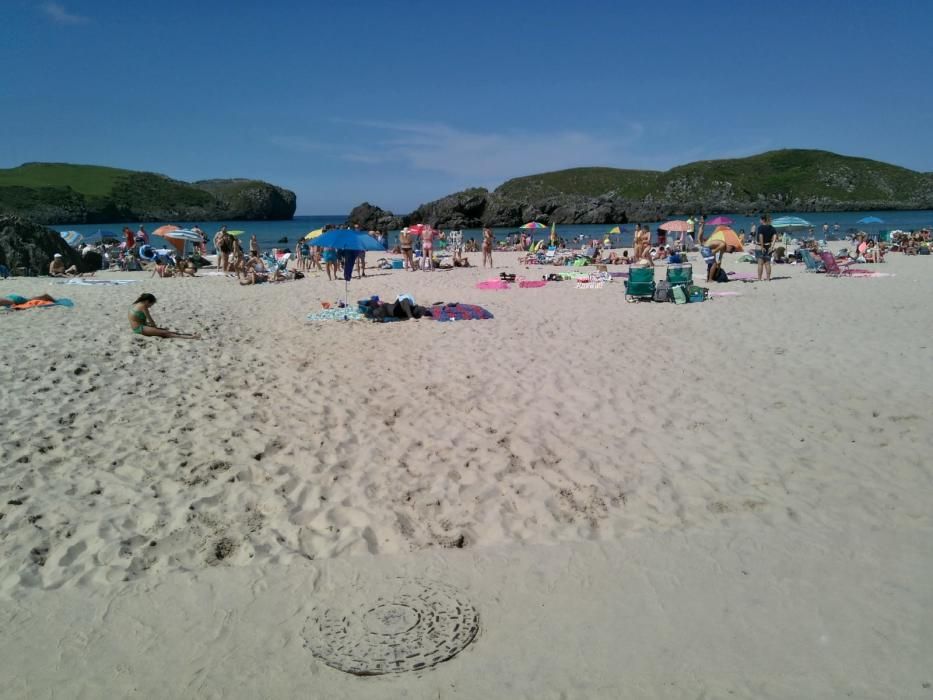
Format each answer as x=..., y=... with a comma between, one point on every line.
x=675, y=225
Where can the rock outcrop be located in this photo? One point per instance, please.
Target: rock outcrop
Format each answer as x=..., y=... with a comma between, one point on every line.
x=372, y=218
x=785, y=180
x=28, y=248
x=81, y=194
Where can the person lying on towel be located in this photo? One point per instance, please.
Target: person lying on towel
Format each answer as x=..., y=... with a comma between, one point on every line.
x=15, y=300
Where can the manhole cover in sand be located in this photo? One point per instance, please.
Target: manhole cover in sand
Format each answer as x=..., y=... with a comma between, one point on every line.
x=411, y=626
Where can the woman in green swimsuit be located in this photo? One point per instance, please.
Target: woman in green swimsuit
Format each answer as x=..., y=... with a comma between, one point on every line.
x=141, y=321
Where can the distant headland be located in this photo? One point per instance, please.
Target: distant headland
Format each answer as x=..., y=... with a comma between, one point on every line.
x=64, y=193
x=785, y=180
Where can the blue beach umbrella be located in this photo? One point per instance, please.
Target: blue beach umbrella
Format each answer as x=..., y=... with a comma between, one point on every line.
x=870, y=220
x=790, y=222
x=72, y=238
x=352, y=243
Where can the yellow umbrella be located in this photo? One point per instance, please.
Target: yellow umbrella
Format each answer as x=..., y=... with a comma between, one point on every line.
x=727, y=236
x=615, y=229
x=314, y=234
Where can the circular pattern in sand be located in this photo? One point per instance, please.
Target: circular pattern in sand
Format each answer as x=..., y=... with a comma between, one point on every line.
x=409, y=626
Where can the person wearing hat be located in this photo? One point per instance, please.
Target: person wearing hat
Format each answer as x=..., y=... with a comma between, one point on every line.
x=57, y=267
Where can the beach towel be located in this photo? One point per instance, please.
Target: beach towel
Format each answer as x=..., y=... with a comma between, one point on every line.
x=459, y=312
x=742, y=276
x=337, y=314
x=530, y=284
x=725, y=294
x=84, y=282
x=492, y=284
x=37, y=303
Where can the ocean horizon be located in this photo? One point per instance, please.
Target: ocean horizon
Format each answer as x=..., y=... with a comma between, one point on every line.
x=270, y=233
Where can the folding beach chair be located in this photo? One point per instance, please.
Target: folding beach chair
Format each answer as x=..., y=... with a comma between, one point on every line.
x=680, y=275
x=833, y=268
x=640, y=283
x=813, y=265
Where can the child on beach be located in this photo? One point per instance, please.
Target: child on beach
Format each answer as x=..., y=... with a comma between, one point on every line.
x=141, y=321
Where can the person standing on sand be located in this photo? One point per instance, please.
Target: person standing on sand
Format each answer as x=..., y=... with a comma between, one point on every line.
x=253, y=245
x=487, y=246
x=700, y=226
x=404, y=240
x=225, y=247
x=427, y=248
x=766, y=236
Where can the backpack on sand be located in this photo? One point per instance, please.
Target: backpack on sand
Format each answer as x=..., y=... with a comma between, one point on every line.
x=662, y=291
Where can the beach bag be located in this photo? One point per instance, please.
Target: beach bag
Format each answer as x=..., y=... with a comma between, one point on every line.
x=680, y=296
x=721, y=276
x=662, y=291
x=695, y=294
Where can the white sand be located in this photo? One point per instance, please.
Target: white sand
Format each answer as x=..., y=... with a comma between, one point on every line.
x=740, y=489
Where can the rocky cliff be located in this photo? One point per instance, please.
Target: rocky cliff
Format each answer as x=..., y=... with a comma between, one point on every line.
x=789, y=180
x=62, y=193
x=28, y=248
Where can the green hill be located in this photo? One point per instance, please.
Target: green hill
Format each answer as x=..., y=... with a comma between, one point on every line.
x=65, y=193
x=795, y=178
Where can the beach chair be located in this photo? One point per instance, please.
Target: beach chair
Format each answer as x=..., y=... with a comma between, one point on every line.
x=832, y=267
x=813, y=265
x=640, y=283
x=680, y=275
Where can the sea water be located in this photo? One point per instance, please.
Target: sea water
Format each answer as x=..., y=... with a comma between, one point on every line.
x=284, y=234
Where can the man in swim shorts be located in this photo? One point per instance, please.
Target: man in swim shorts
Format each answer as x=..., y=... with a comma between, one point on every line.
x=766, y=236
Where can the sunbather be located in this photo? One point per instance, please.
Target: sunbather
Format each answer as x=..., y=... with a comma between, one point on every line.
x=57, y=268
x=141, y=321
x=255, y=271
x=14, y=300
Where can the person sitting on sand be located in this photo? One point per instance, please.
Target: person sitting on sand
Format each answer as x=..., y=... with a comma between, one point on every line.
x=57, y=268
x=141, y=321
x=184, y=268
x=255, y=271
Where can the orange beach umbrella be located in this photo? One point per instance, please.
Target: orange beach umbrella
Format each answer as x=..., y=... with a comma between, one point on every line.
x=727, y=236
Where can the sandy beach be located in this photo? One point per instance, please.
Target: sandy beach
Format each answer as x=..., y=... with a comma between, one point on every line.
x=726, y=499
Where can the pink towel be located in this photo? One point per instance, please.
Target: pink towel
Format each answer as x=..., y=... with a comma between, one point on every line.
x=492, y=284
x=525, y=284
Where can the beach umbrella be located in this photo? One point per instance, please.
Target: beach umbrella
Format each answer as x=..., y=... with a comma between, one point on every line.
x=314, y=234
x=870, y=220
x=719, y=221
x=183, y=234
x=236, y=233
x=417, y=229
x=615, y=229
x=727, y=236
x=163, y=231
x=72, y=238
x=352, y=243
x=790, y=222
x=533, y=225
x=676, y=225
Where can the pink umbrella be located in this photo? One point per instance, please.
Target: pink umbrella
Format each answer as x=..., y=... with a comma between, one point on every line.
x=719, y=221
x=675, y=225
x=417, y=229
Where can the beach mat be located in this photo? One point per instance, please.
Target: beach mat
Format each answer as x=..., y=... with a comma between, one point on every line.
x=492, y=284
x=459, y=312
x=336, y=314
x=84, y=282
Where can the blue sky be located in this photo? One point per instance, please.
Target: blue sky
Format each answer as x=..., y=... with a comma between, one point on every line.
x=400, y=103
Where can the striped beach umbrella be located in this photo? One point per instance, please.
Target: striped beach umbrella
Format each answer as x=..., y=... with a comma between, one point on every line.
x=72, y=238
